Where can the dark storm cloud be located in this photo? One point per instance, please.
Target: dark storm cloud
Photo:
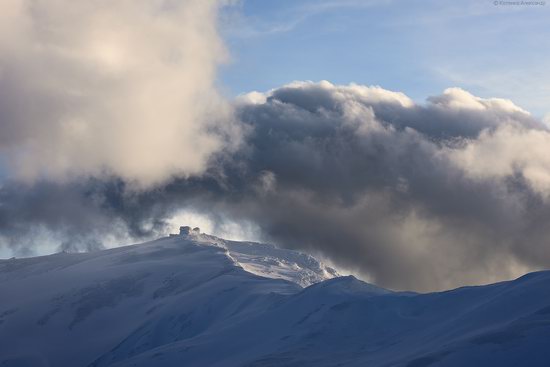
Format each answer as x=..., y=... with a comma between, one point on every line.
x=372, y=181
x=411, y=196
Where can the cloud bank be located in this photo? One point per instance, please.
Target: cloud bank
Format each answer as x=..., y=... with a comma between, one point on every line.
x=111, y=124
x=99, y=88
x=411, y=196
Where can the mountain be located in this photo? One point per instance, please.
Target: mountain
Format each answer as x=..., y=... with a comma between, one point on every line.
x=272, y=262
x=198, y=300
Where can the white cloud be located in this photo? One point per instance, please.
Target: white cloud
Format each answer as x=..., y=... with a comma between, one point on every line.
x=505, y=152
x=457, y=98
x=102, y=87
x=527, y=85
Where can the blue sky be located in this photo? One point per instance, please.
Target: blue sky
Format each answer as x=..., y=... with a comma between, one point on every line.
x=417, y=47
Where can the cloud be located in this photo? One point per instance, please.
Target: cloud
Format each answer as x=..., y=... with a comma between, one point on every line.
x=111, y=126
x=410, y=196
x=99, y=88
x=509, y=151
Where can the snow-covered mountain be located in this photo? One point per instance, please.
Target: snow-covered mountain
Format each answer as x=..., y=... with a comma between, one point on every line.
x=197, y=300
x=272, y=262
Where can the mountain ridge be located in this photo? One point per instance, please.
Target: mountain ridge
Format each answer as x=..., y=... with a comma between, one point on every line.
x=187, y=300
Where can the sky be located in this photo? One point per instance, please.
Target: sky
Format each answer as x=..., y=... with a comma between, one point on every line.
x=403, y=141
x=417, y=47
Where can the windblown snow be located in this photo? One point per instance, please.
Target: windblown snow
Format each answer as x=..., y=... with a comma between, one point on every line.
x=272, y=262
x=198, y=300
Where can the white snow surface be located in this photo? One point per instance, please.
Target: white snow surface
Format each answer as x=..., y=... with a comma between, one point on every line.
x=203, y=301
x=272, y=262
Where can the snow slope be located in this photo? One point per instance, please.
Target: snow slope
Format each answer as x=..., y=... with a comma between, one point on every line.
x=198, y=301
x=272, y=262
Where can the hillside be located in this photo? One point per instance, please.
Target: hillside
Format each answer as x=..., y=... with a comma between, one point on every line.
x=197, y=300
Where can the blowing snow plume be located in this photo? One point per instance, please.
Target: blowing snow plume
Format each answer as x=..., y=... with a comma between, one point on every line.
x=99, y=88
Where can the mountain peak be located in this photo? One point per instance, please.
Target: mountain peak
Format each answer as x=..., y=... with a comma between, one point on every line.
x=265, y=260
